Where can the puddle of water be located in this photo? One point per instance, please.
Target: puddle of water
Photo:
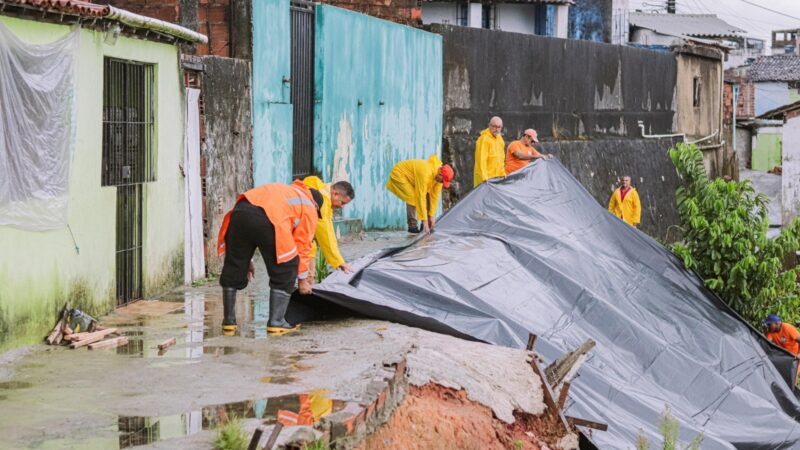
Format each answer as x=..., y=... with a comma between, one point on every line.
x=15, y=385
x=222, y=350
x=280, y=379
x=302, y=409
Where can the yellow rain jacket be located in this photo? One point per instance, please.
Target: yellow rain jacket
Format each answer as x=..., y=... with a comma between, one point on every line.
x=414, y=182
x=490, y=157
x=629, y=210
x=325, y=235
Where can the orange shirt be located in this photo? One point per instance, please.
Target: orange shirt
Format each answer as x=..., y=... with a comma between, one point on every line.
x=786, y=338
x=513, y=163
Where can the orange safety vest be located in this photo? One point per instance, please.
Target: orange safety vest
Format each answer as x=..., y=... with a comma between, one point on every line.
x=293, y=213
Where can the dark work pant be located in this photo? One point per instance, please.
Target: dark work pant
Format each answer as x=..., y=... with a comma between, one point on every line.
x=249, y=228
x=411, y=215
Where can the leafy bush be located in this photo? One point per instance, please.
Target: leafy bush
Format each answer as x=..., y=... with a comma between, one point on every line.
x=670, y=431
x=321, y=268
x=724, y=225
x=231, y=436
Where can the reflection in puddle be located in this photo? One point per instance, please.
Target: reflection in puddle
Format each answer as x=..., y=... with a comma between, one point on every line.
x=222, y=350
x=15, y=385
x=302, y=409
x=280, y=379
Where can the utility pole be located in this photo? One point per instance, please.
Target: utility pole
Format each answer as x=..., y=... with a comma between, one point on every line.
x=671, y=6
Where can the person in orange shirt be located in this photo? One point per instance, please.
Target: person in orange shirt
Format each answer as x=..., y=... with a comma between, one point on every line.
x=279, y=220
x=521, y=152
x=782, y=334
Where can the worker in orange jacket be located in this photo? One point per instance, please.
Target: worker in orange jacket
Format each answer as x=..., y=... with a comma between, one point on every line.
x=280, y=221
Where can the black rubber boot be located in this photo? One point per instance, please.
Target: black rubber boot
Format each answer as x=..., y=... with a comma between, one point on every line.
x=414, y=229
x=229, y=308
x=278, y=303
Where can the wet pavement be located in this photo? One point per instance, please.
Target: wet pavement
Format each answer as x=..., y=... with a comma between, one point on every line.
x=54, y=397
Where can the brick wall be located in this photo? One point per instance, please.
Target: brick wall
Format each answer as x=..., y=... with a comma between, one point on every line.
x=746, y=99
x=407, y=12
x=210, y=17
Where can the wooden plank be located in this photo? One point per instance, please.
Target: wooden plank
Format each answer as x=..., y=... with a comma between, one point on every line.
x=531, y=341
x=91, y=338
x=587, y=423
x=168, y=343
x=102, y=333
x=273, y=437
x=109, y=343
x=555, y=412
x=562, y=397
x=54, y=336
x=255, y=439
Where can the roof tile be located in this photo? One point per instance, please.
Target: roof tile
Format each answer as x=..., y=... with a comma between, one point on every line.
x=776, y=68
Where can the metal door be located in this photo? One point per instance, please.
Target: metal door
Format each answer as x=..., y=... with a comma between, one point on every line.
x=129, y=243
x=302, y=83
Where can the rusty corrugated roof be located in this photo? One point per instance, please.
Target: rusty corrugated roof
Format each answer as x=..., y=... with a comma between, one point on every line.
x=77, y=7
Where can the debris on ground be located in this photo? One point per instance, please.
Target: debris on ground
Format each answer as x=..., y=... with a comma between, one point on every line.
x=69, y=331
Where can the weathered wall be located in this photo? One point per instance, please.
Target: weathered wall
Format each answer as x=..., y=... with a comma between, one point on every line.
x=272, y=108
x=706, y=118
x=378, y=101
x=591, y=20
x=790, y=181
x=39, y=271
x=564, y=89
x=227, y=150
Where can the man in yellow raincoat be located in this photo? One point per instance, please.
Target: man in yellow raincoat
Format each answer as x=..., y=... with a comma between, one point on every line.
x=419, y=183
x=625, y=204
x=490, y=153
x=334, y=195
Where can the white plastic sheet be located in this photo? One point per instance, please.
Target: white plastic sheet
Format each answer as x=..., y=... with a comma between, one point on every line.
x=37, y=115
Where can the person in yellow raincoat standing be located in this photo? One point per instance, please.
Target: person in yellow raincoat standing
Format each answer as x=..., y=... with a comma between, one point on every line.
x=490, y=153
x=625, y=204
x=334, y=195
x=419, y=182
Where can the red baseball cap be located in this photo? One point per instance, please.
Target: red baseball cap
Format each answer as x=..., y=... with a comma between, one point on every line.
x=447, y=175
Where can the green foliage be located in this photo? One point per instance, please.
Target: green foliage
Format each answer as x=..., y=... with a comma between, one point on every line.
x=319, y=444
x=321, y=267
x=231, y=436
x=670, y=432
x=724, y=225
x=518, y=444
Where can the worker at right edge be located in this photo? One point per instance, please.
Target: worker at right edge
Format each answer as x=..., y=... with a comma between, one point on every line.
x=625, y=204
x=280, y=221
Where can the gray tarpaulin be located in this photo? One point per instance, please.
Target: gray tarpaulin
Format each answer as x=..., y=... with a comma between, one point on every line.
x=535, y=253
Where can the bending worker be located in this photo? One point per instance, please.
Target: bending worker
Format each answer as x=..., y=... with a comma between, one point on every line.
x=521, y=152
x=490, y=150
x=280, y=221
x=334, y=195
x=419, y=183
x=625, y=204
x=782, y=334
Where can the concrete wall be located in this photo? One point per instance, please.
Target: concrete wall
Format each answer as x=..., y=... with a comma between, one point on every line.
x=591, y=20
x=228, y=146
x=40, y=271
x=384, y=108
x=704, y=119
x=599, y=164
x=744, y=147
x=770, y=95
x=272, y=108
x=649, y=37
x=790, y=181
x=516, y=17
x=440, y=12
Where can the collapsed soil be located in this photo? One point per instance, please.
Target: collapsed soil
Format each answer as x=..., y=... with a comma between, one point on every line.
x=434, y=417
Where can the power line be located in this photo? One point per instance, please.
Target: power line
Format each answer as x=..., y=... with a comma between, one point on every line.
x=770, y=10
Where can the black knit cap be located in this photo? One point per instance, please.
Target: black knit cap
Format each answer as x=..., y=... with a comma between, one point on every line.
x=318, y=199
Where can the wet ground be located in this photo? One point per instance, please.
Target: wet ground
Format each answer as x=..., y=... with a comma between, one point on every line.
x=54, y=397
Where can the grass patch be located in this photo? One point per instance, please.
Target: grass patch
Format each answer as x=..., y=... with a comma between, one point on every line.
x=231, y=436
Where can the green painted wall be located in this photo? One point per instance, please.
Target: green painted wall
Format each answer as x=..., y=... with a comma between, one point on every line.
x=767, y=151
x=39, y=271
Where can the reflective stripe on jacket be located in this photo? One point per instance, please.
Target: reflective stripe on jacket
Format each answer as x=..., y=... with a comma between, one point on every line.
x=292, y=212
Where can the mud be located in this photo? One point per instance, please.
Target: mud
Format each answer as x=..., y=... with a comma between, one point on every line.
x=433, y=417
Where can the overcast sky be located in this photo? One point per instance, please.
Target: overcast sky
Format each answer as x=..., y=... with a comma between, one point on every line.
x=758, y=22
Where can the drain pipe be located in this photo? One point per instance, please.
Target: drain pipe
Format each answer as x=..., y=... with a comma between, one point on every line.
x=659, y=136
x=705, y=138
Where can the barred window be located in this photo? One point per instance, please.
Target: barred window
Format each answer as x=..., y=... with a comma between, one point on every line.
x=128, y=123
